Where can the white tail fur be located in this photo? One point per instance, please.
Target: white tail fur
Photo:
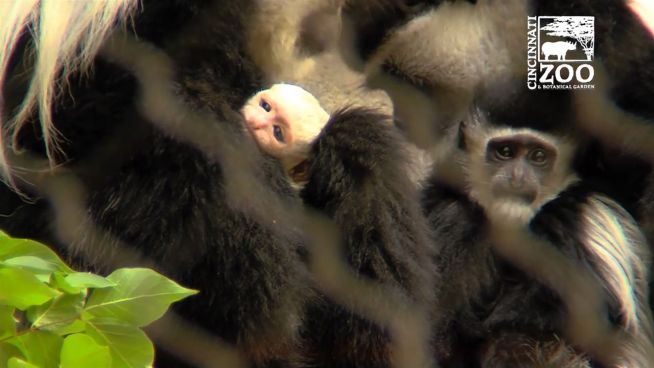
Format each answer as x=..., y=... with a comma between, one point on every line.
x=621, y=253
x=67, y=35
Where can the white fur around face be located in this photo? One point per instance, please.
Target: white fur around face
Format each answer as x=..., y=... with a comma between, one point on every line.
x=307, y=116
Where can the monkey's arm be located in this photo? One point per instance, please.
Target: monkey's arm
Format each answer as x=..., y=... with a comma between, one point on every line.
x=469, y=280
x=358, y=177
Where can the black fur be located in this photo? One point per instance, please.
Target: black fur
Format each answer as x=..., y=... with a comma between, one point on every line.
x=626, y=52
x=359, y=178
x=167, y=200
x=623, y=45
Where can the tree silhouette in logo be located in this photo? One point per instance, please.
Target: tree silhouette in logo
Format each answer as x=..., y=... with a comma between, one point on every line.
x=581, y=29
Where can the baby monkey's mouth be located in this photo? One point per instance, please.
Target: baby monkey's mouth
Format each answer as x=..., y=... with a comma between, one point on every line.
x=300, y=172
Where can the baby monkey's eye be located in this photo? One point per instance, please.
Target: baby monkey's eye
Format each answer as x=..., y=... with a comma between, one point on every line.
x=538, y=157
x=504, y=152
x=265, y=105
x=278, y=133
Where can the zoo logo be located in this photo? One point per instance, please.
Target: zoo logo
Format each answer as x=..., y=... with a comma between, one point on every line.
x=560, y=51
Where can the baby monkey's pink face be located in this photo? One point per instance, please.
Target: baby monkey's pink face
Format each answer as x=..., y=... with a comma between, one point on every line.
x=266, y=116
x=284, y=118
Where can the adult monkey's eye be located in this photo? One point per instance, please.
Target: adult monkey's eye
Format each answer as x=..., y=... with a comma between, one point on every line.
x=538, y=157
x=504, y=152
x=265, y=105
x=278, y=133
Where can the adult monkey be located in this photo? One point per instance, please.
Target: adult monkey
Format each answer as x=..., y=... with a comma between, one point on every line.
x=199, y=237
x=432, y=80
x=520, y=189
x=172, y=86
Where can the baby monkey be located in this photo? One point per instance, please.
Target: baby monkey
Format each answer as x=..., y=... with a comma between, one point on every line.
x=284, y=120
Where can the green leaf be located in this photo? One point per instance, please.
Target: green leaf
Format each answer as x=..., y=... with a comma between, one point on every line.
x=8, y=351
x=81, y=350
x=11, y=248
x=88, y=280
x=129, y=346
x=57, y=313
x=22, y=289
x=19, y=363
x=59, y=281
x=43, y=277
x=40, y=268
x=7, y=321
x=140, y=296
x=39, y=347
x=76, y=326
x=32, y=263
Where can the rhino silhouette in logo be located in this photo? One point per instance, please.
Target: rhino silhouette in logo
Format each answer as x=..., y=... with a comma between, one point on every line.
x=559, y=49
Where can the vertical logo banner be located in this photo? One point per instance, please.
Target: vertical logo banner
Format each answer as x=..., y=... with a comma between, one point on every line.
x=560, y=52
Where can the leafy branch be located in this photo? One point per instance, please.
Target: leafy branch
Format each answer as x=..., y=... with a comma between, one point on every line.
x=54, y=317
